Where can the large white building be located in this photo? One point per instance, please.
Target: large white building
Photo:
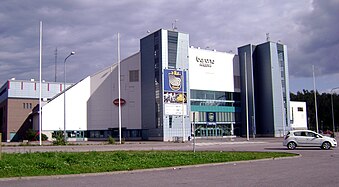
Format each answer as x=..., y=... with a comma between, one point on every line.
x=169, y=91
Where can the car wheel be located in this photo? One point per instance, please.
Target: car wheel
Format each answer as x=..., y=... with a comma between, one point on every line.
x=291, y=145
x=326, y=145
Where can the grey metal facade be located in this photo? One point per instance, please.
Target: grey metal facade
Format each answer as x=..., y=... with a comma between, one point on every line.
x=265, y=89
x=161, y=50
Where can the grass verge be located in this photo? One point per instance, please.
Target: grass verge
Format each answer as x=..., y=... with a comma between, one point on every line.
x=61, y=163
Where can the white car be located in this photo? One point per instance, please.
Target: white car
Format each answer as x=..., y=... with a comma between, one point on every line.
x=307, y=138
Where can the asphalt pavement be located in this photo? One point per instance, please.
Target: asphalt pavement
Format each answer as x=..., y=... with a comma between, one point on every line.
x=314, y=167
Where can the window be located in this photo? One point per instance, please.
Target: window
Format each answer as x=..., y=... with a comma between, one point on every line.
x=134, y=76
x=27, y=105
x=170, y=122
x=237, y=82
x=172, y=48
x=300, y=109
x=297, y=134
x=310, y=134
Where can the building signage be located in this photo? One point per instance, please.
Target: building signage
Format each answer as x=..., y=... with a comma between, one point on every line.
x=211, y=118
x=175, y=95
x=204, y=62
x=122, y=102
x=211, y=70
x=174, y=81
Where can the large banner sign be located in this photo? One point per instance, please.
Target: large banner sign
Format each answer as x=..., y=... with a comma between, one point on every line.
x=211, y=70
x=174, y=81
x=175, y=92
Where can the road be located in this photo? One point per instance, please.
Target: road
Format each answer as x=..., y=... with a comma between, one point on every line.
x=315, y=167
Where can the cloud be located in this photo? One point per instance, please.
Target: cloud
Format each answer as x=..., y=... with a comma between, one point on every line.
x=318, y=44
x=89, y=28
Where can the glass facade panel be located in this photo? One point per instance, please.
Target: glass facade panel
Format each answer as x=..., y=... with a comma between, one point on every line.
x=214, y=98
x=172, y=49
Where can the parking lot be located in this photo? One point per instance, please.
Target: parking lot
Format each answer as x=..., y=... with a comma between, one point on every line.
x=315, y=167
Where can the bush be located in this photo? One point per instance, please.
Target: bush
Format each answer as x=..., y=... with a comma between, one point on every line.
x=111, y=140
x=33, y=135
x=59, y=138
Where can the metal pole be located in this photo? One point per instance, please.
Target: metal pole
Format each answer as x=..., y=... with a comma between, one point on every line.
x=183, y=105
x=193, y=132
x=332, y=108
x=40, y=76
x=55, y=64
x=246, y=98
x=332, y=112
x=315, y=101
x=119, y=88
x=65, y=136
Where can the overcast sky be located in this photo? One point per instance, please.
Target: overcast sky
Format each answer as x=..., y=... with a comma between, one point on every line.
x=310, y=30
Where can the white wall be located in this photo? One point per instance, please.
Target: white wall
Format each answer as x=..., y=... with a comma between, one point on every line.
x=211, y=70
x=102, y=113
x=89, y=103
x=76, y=109
x=298, y=115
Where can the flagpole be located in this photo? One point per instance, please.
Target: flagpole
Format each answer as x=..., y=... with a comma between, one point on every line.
x=40, y=76
x=119, y=88
x=315, y=102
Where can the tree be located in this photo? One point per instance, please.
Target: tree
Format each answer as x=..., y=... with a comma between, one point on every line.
x=324, y=109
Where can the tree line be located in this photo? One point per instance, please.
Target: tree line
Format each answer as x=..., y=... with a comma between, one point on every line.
x=324, y=109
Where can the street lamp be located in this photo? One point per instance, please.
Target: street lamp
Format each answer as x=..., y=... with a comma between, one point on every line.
x=332, y=108
x=65, y=136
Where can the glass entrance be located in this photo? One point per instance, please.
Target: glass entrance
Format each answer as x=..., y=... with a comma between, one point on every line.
x=203, y=130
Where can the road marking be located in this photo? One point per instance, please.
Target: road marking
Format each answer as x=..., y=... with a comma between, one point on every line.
x=226, y=143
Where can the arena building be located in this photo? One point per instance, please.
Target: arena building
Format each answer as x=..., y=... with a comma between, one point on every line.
x=171, y=91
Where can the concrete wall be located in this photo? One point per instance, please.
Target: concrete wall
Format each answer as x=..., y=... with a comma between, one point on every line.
x=76, y=109
x=18, y=117
x=102, y=113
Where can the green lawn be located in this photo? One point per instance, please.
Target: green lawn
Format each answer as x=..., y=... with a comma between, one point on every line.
x=60, y=163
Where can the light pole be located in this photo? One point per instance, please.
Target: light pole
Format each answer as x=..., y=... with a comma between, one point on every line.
x=332, y=107
x=65, y=136
x=183, y=104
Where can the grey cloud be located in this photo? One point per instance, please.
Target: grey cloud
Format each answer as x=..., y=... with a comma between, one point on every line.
x=319, y=40
x=90, y=27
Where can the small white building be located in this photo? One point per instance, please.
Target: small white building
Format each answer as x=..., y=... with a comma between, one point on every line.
x=298, y=115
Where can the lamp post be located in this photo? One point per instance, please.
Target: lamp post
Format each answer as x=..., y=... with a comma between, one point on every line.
x=65, y=136
x=332, y=107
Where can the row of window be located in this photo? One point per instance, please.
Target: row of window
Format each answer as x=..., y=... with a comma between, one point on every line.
x=199, y=102
x=126, y=133
x=27, y=105
x=215, y=95
x=219, y=117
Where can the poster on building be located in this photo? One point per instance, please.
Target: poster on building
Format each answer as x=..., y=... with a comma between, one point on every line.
x=211, y=118
x=175, y=94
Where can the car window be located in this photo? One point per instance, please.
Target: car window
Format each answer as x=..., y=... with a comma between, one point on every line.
x=311, y=134
x=303, y=134
x=297, y=133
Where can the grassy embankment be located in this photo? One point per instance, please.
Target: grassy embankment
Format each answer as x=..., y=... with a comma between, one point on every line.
x=61, y=163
